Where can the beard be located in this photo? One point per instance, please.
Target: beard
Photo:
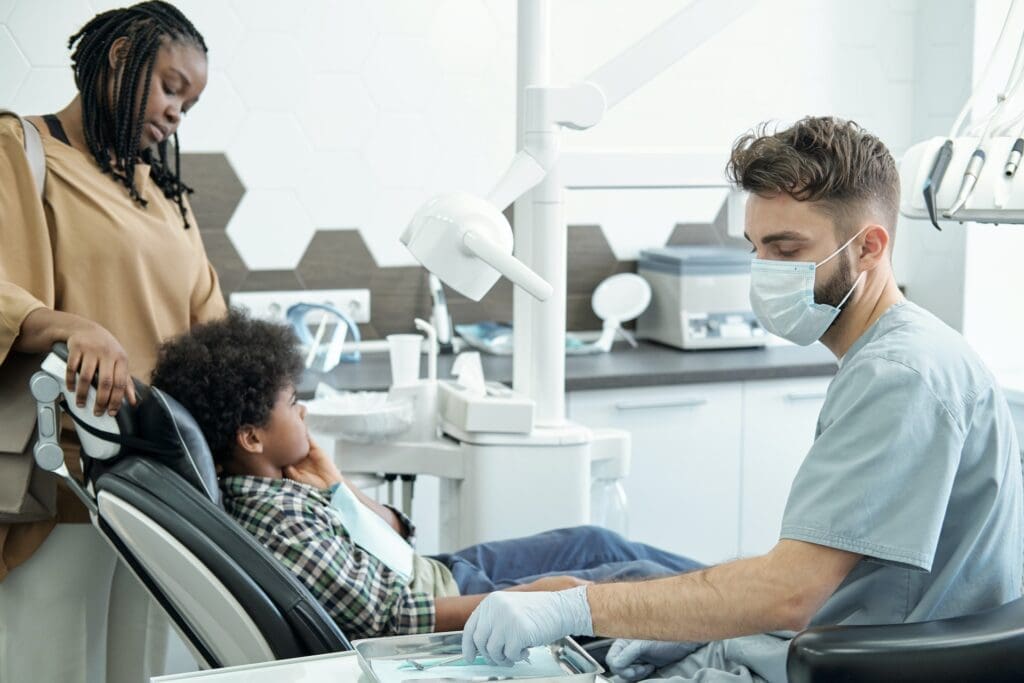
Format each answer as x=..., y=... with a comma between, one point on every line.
x=834, y=290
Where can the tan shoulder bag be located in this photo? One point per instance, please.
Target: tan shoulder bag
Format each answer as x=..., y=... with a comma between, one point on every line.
x=27, y=493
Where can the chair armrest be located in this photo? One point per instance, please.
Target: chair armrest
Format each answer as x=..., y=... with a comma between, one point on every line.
x=988, y=644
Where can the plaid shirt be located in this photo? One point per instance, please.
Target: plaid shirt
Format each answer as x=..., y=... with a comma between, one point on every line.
x=298, y=525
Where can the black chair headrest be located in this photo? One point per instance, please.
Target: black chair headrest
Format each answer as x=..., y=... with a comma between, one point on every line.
x=161, y=429
x=166, y=424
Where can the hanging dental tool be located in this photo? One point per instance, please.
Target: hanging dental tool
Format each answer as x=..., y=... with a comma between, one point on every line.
x=977, y=160
x=986, y=193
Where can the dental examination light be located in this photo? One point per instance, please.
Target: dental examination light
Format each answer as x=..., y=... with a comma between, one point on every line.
x=985, y=154
x=466, y=240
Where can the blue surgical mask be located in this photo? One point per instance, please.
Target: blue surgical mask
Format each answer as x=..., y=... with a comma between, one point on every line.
x=782, y=296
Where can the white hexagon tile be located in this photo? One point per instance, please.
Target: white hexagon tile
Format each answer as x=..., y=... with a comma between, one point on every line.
x=270, y=229
x=269, y=150
x=221, y=28
x=268, y=71
x=392, y=209
x=401, y=72
x=337, y=34
x=337, y=188
x=211, y=125
x=463, y=36
x=401, y=150
x=15, y=66
x=45, y=90
x=42, y=28
x=336, y=111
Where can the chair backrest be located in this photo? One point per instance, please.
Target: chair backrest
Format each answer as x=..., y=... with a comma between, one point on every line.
x=159, y=504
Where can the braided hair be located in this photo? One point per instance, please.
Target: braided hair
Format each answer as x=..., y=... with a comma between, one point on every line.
x=113, y=129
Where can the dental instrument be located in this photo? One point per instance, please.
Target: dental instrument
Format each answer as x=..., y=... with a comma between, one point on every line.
x=420, y=666
x=439, y=316
x=985, y=192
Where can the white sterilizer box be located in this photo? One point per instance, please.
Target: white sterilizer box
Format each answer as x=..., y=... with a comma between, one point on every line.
x=700, y=298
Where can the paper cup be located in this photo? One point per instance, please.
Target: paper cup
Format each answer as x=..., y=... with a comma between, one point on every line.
x=405, y=358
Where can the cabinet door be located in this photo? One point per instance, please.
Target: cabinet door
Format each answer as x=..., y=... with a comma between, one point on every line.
x=683, y=488
x=779, y=417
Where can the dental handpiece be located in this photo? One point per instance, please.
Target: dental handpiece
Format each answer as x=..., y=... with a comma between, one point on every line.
x=974, y=167
x=1014, y=159
x=931, y=185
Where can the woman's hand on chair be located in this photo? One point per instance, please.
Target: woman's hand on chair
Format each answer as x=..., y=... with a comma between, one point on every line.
x=95, y=352
x=317, y=469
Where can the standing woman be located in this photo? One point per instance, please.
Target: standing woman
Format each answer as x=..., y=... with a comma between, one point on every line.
x=111, y=262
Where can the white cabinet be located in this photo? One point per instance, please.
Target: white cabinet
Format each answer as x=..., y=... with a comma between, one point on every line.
x=712, y=464
x=779, y=417
x=684, y=485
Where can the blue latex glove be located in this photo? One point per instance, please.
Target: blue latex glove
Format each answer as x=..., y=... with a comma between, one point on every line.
x=505, y=625
x=635, y=660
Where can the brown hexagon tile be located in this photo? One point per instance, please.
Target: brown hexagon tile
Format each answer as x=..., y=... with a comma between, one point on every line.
x=337, y=259
x=271, y=281
x=231, y=270
x=714, y=233
x=217, y=188
x=590, y=259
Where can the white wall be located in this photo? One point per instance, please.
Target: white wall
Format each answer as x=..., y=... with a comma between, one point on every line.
x=349, y=113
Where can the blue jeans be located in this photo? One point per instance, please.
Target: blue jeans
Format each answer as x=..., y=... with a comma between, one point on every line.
x=586, y=552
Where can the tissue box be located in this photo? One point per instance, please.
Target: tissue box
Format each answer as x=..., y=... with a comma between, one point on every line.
x=499, y=410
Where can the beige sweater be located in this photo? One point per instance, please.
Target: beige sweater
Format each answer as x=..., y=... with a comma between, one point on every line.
x=88, y=249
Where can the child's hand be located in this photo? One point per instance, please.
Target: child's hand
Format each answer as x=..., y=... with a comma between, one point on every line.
x=317, y=469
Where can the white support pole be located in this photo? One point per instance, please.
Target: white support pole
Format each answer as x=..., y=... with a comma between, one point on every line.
x=533, y=61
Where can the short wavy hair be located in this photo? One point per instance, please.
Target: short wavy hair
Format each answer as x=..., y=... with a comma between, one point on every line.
x=227, y=374
x=847, y=172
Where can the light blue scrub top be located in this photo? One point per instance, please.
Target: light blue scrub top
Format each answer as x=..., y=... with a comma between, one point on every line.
x=915, y=465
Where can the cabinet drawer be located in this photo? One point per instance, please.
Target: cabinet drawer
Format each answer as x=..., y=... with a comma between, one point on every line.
x=683, y=487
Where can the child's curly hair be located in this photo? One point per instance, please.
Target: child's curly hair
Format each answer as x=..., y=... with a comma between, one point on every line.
x=227, y=374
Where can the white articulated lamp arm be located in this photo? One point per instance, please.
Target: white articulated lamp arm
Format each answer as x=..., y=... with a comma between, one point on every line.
x=664, y=46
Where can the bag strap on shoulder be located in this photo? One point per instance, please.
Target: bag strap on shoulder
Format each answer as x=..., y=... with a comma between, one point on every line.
x=33, y=151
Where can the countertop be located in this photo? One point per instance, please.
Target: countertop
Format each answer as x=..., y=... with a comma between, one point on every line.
x=648, y=365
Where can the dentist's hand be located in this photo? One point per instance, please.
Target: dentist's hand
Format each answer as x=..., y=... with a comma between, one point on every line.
x=505, y=625
x=317, y=469
x=636, y=660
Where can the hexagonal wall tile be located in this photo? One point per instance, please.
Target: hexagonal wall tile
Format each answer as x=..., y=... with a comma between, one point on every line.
x=268, y=71
x=42, y=28
x=403, y=16
x=230, y=268
x=269, y=150
x=211, y=125
x=217, y=189
x=463, y=36
x=337, y=188
x=45, y=90
x=15, y=66
x=337, y=259
x=401, y=72
x=392, y=210
x=219, y=25
x=270, y=229
x=338, y=33
x=267, y=16
x=336, y=111
x=401, y=150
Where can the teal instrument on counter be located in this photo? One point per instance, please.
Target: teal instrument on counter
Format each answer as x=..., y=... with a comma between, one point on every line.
x=300, y=320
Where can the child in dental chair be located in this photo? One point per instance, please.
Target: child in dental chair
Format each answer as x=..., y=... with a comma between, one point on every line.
x=237, y=378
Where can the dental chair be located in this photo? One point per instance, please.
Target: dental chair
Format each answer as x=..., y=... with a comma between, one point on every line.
x=985, y=646
x=151, y=490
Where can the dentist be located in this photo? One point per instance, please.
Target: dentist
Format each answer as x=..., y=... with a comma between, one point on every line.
x=908, y=505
